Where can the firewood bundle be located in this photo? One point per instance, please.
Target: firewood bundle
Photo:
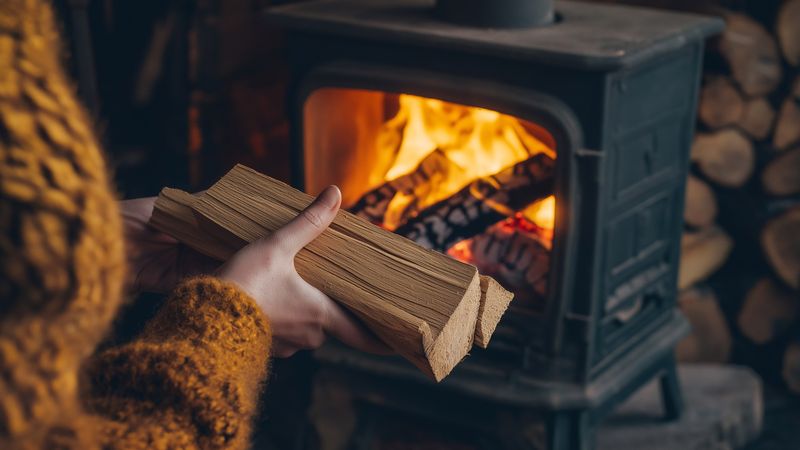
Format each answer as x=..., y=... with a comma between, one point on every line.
x=428, y=307
x=741, y=251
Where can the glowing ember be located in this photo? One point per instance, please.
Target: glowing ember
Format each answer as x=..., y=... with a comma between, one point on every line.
x=477, y=142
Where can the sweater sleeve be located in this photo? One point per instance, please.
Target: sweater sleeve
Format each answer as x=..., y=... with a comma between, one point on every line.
x=191, y=380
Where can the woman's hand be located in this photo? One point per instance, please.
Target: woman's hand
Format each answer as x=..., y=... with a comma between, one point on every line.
x=157, y=261
x=300, y=315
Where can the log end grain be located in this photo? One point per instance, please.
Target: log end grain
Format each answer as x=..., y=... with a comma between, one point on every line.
x=788, y=31
x=702, y=253
x=769, y=310
x=710, y=339
x=782, y=175
x=494, y=302
x=701, y=204
x=780, y=240
x=726, y=157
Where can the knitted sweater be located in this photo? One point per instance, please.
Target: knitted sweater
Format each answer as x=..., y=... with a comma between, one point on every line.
x=191, y=380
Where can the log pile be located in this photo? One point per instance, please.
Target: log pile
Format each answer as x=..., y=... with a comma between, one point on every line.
x=740, y=265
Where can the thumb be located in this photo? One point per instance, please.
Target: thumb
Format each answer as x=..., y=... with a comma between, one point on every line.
x=311, y=222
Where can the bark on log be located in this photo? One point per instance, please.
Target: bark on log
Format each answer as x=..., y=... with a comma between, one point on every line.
x=757, y=118
x=788, y=30
x=787, y=129
x=721, y=103
x=769, y=310
x=710, y=339
x=702, y=253
x=701, y=205
x=374, y=204
x=782, y=175
x=423, y=304
x=780, y=240
x=726, y=157
x=752, y=54
x=481, y=204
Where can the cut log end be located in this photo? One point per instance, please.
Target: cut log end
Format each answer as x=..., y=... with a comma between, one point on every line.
x=453, y=343
x=701, y=204
x=780, y=239
x=782, y=175
x=726, y=157
x=752, y=54
x=710, y=339
x=702, y=253
x=721, y=103
x=757, y=118
x=787, y=128
x=788, y=31
x=494, y=302
x=769, y=310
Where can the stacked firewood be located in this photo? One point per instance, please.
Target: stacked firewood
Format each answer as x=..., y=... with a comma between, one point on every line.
x=740, y=267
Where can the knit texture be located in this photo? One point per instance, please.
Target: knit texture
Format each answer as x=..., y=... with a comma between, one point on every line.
x=191, y=380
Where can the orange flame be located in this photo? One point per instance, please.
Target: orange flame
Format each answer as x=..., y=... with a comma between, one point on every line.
x=477, y=142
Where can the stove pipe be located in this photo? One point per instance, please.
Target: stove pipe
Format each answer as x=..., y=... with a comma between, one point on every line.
x=497, y=13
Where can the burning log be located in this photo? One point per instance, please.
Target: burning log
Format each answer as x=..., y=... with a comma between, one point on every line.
x=513, y=252
x=482, y=203
x=427, y=311
x=374, y=204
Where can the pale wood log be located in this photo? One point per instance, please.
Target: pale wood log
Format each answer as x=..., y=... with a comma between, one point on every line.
x=769, y=310
x=787, y=129
x=788, y=31
x=491, y=310
x=721, y=103
x=782, y=175
x=700, y=208
x=726, y=157
x=710, y=339
x=752, y=54
x=421, y=303
x=791, y=367
x=757, y=118
x=702, y=253
x=780, y=240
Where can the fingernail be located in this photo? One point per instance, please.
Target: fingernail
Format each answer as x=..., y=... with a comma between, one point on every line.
x=329, y=197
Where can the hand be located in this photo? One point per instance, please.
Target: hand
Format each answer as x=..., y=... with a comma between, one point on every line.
x=300, y=315
x=157, y=261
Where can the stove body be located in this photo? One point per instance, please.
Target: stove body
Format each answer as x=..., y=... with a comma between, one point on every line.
x=616, y=88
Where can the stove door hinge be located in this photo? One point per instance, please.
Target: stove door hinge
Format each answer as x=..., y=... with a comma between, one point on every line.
x=590, y=165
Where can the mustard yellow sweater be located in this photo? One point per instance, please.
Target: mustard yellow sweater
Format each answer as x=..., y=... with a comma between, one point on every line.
x=191, y=380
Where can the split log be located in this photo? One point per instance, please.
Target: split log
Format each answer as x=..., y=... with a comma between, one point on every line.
x=791, y=367
x=721, y=103
x=787, y=129
x=769, y=310
x=490, y=312
x=725, y=157
x=374, y=204
x=780, y=240
x=702, y=253
x=710, y=339
x=788, y=30
x=757, y=118
x=482, y=203
x=700, y=208
x=782, y=175
x=423, y=304
x=752, y=54
x=513, y=252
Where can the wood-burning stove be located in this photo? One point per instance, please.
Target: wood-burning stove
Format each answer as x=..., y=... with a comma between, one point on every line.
x=612, y=91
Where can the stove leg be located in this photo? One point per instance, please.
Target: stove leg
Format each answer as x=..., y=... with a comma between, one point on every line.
x=569, y=430
x=671, y=392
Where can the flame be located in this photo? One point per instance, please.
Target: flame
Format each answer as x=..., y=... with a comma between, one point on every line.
x=476, y=142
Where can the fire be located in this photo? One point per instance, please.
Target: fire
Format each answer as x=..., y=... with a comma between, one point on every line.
x=476, y=142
